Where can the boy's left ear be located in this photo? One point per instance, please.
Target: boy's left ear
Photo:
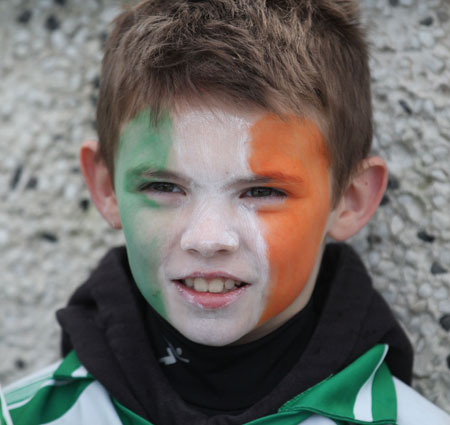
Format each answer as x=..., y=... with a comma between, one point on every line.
x=360, y=200
x=99, y=183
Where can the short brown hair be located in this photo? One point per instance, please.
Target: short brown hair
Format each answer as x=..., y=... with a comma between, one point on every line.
x=282, y=55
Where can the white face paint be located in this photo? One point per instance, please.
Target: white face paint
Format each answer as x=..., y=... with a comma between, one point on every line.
x=214, y=232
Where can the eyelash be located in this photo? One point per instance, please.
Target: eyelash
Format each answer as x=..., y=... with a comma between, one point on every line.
x=254, y=192
x=263, y=192
x=160, y=187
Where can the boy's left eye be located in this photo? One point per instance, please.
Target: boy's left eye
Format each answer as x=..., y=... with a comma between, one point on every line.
x=263, y=192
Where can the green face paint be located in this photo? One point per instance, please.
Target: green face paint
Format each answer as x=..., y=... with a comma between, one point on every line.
x=142, y=147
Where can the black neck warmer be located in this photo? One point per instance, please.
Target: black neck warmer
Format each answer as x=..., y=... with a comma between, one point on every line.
x=233, y=378
x=107, y=324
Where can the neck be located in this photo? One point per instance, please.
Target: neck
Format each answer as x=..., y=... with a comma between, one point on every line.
x=232, y=378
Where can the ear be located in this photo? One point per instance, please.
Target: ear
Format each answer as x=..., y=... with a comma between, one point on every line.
x=360, y=200
x=99, y=183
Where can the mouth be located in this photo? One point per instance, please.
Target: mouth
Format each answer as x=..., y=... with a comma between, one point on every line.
x=216, y=285
x=211, y=293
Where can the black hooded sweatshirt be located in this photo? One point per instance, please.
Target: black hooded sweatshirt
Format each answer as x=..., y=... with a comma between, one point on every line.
x=121, y=341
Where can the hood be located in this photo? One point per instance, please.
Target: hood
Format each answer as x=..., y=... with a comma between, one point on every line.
x=104, y=323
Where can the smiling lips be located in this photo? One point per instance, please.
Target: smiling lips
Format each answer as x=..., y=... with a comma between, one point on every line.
x=211, y=293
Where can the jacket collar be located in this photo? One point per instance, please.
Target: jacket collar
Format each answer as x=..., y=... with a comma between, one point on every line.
x=362, y=393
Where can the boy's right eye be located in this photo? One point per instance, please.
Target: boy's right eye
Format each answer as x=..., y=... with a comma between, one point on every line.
x=160, y=187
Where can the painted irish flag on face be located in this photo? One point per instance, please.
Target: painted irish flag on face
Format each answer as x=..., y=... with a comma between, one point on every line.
x=363, y=393
x=224, y=212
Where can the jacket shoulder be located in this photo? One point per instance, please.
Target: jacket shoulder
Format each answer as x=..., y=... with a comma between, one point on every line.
x=413, y=409
x=61, y=394
x=365, y=392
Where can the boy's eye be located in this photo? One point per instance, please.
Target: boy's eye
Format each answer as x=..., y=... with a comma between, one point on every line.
x=263, y=192
x=163, y=187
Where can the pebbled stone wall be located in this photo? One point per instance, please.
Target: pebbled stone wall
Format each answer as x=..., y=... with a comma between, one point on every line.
x=51, y=236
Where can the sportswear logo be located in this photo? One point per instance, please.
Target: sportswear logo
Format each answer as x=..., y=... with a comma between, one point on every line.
x=173, y=354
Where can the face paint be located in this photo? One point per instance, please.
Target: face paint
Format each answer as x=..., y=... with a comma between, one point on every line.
x=141, y=148
x=294, y=155
x=220, y=239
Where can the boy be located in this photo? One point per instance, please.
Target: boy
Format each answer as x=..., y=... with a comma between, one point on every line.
x=233, y=139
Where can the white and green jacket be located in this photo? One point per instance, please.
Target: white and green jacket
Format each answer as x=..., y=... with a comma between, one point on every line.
x=363, y=393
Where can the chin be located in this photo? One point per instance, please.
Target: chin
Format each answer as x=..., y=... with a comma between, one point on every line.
x=214, y=331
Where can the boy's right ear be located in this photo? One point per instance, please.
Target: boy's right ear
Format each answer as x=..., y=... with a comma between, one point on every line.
x=99, y=183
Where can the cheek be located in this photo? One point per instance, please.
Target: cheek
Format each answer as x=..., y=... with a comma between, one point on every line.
x=144, y=255
x=294, y=232
x=293, y=238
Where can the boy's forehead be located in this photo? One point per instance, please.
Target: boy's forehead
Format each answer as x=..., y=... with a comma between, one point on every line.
x=212, y=124
x=195, y=135
x=188, y=122
x=222, y=136
x=226, y=120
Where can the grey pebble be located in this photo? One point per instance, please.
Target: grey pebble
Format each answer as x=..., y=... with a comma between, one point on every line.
x=445, y=322
x=425, y=236
x=437, y=268
x=428, y=21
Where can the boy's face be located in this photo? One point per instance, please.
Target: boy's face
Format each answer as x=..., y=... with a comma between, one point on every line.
x=224, y=214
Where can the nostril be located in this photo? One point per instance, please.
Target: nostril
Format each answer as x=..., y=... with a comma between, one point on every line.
x=208, y=249
x=208, y=246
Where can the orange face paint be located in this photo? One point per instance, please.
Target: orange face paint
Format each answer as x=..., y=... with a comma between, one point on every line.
x=293, y=153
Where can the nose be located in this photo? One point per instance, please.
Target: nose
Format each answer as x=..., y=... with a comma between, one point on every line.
x=210, y=232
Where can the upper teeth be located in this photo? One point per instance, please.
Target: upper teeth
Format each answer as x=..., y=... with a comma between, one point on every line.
x=215, y=285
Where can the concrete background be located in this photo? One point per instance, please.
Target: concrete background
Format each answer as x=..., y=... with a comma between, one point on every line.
x=51, y=236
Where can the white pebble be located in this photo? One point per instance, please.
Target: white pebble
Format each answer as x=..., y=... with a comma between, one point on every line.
x=441, y=293
x=397, y=225
x=426, y=38
x=425, y=290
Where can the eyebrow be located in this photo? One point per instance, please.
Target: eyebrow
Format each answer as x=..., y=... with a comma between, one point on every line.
x=157, y=173
x=270, y=177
